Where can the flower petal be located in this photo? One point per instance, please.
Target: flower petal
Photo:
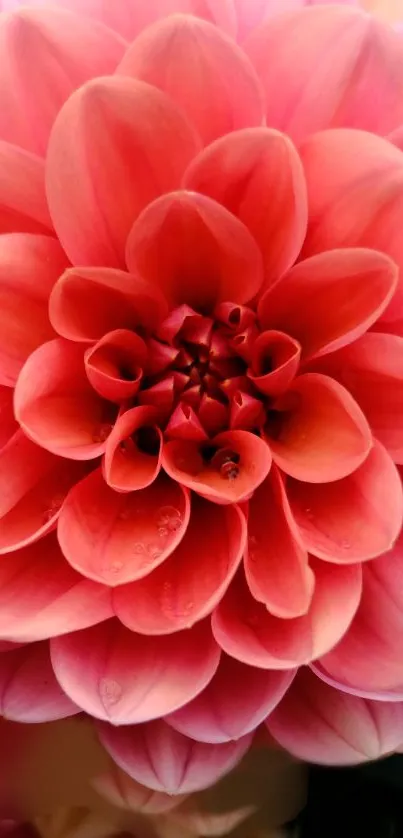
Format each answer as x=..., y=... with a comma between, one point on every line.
x=8, y=423
x=29, y=267
x=317, y=432
x=29, y=691
x=276, y=563
x=214, y=478
x=115, y=538
x=114, y=366
x=127, y=678
x=23, y=206
x=208, y=255
x=319, y=724
x=257, y=175
x=121, y=790
x=194, y=63
x=235, y=702
x=56, y=406
x=245, y=630
x=353, y=519
x=347, y=70
x=98, y=181
x=275, y=362
x=189, y=584
x=164, y=760
x=51, y=52
x=130, y=465
x=87, y=303
x=336, y=296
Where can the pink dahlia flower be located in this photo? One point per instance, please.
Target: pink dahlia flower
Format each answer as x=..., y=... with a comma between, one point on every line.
x=201, y=368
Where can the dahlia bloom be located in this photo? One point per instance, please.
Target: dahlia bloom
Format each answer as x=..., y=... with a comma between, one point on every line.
x=201, y=372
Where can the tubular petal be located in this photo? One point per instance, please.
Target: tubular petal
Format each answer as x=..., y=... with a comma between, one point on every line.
x=29, y=691
x=56, y=406
x=87, y=303
x=336, y=296
x=29, y=267
x=275, y=362
x=41, y=596
x=235, y=702
x=184, y=462
x=276, y=563
x=191, y=582
x=116, y=538
x=257, y=175
x=126, y=678
x=317, y=432
x=127, y=467
x=100, y=178
x=353, y=519
x=194, y=63
x=246, y=631
x=164, y=760
x=319, y=724
x=23, y=206
x=51, y=52
x=121, y=790
x=347, y=70
x=207, y=253
x=114, y=366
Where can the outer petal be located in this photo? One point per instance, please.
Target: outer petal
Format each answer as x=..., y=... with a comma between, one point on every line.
x=115, y=538
x=195, y=63
x=126, y=678
x=51, y=52
x=191, y=582
x=257, y=175
x=347, y=71
x=246, y=631
x=336, y=296
x=56, y=406
x=98, y=181
x=42, y=596
x=23, y=206
x=29, y=267
x=353, y=519
x=87, y=303
x=276, y=563
x=372, y=370
x=165, y=760
x=29, y=691
x=319, y=724
x=235, y=702
x=208, y=255
x=316, y=431
x=252, y=12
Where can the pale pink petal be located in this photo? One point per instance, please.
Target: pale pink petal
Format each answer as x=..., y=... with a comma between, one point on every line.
x=164, y=760
x=121, y=790
x=29, y=691
x=23, y=206
x=251, y=13
x=128, y=678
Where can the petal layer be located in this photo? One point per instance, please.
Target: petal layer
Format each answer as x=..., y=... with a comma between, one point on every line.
x=23, y=206
x=29, y=691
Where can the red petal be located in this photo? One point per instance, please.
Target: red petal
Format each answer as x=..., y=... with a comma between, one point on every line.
x=275, y=362
x=353, y=519
x=29, y=691
x=208, y=255
x=164, y=760
x=118, y=789
x=319, y=724
x=51, y=52
x=56, y=406
x=276, y=564
x=42, y=596
x=8, y=423
x=372, y=370
x=336, y=296
x=86, y=303
x=23, y=206
x=318, y=433
x=234, y=703
x=247, y=413
x=33, y=485
x=126, y=678
x=191, y=582
x=245, y=630
x=257, y=175
x=98, y=181
x=185, y=424
x=29, y=267
x=347, y=70
x=127, y=467
x=116, y=538
x=194, y=63
x=114, y=366
x=184, y=462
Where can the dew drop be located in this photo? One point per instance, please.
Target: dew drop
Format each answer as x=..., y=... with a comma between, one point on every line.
x=308, y=512
x=110, y=692
x=101, y=433
x=139, y=548
x=167, y=599
x=169, y=518
x=115, y=567
x=346, y=545
x=163, y=532
x=154, y=551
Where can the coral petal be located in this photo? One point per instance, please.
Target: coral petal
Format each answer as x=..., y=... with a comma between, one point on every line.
x=23, y=207
x=8, y=423
x=114, y=366
x=275, y=362
x=29, y=691
x=126, y=466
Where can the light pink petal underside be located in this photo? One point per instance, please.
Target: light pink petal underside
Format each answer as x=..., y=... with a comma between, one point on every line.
x=29, y=691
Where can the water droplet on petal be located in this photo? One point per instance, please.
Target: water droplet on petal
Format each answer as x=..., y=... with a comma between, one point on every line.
x=154, y=551
x=163, y=532
x=115, y=567
x=110, y=692
x=101, y=433
x=346, y=545
x=139, y=548
x=169, y=518
x=167, y=599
